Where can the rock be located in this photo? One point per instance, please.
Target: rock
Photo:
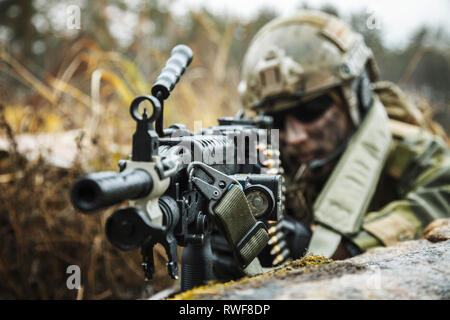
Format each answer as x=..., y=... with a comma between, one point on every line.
x=438, y=230
x=59, y=149
x=409, y=270
x=439, y=234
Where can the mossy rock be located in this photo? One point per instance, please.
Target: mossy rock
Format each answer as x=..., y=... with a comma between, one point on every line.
x=410, y=270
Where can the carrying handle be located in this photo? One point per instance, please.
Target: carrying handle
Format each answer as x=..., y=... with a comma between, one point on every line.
x=181, y=57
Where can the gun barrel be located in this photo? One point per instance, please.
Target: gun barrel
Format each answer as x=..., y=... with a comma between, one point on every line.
x=99, y=190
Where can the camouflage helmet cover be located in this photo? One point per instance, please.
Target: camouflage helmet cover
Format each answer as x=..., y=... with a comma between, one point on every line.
x=301, y=56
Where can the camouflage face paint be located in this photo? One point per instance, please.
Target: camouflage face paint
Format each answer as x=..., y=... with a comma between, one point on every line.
x=304, y=142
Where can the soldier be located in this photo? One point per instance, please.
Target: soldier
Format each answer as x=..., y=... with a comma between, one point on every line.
x=364, y=167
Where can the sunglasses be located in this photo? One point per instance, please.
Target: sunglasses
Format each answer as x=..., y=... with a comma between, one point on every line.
x=305, y=112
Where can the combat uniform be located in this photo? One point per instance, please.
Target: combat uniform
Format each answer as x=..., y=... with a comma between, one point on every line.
x=416, y=176
x=393, y=177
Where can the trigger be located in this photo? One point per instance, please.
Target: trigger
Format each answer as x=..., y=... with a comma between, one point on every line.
x=147, y=262
x=171, y=249
x=172, y=268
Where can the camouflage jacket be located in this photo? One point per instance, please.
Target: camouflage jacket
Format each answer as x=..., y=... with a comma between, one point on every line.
x=414, y=188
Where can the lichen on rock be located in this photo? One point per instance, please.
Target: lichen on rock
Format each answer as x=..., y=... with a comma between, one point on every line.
x=409, y=270
x=292, y=267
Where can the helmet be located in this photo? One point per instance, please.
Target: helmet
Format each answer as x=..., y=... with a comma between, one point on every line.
x=304, y=56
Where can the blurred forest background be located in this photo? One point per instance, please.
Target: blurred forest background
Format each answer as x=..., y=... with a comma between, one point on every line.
x=64, y=98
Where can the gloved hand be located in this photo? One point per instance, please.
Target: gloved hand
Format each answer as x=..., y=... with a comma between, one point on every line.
x=225, y=266
x=289, y=239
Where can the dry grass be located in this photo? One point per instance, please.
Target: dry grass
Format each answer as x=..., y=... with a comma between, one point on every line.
x=40, y=233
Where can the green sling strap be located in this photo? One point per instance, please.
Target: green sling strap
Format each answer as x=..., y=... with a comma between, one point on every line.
x=235, y=220
x=232, y=215
x=343, y=202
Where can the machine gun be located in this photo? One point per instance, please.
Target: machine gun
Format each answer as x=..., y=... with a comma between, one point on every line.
x=181, y=185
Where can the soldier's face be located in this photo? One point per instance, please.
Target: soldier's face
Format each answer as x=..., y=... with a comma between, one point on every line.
x=313, y=134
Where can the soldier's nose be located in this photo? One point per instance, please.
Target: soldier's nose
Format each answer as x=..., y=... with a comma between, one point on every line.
x=295, y=131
